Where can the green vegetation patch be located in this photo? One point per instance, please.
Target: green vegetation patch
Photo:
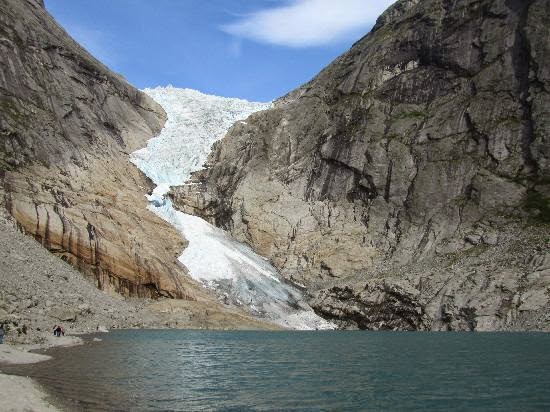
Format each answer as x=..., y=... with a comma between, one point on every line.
x=10, y=110
x=530, y=181
x=412, y=114
x=474, y=251
x=535, y=201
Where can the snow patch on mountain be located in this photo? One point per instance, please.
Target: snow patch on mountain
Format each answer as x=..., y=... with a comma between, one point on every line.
x=213, y=257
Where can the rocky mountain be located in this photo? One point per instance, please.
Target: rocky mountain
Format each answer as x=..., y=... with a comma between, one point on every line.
x=406, y=186
x=68, y=125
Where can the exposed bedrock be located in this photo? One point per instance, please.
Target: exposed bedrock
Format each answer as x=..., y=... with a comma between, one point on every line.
x=67, y=125
x=483, y=288
x=429, y=136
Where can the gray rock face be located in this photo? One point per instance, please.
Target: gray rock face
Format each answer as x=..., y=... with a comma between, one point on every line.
x=428, y=138
x=483, y=288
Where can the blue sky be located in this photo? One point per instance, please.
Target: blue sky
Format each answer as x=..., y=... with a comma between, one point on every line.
x=253, y=49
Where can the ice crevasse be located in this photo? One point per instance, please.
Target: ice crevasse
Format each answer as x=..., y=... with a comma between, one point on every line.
x=213, y=257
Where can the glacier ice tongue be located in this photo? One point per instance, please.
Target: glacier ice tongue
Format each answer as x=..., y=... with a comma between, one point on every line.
x=195, y=122
x=232, y=269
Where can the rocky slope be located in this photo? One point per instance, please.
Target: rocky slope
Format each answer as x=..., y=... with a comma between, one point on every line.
x=38, y=291
x=422, y=155
x=67, y=125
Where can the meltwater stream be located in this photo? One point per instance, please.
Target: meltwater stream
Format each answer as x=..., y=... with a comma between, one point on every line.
x=195, y=122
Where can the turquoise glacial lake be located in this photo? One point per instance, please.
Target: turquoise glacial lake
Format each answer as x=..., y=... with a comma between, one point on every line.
x=169, y=370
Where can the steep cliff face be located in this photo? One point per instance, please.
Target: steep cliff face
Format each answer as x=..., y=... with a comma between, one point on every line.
x=424, y=145
x=67, y=125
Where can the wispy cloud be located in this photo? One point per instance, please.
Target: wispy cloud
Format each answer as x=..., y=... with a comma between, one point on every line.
x=235, y=48
x=307, y=23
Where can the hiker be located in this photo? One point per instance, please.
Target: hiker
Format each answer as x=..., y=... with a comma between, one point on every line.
x=2, y=333
x=57, y=330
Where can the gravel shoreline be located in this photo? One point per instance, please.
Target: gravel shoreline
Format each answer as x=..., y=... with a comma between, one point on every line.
x=22, y=394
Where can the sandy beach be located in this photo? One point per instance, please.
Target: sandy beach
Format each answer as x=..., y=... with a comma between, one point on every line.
x=22, y=394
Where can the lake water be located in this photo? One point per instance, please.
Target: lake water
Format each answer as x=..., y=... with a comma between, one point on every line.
x=169, y=370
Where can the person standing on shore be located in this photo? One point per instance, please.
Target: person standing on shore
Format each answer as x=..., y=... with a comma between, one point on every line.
x=57, y=330
x=2, y=333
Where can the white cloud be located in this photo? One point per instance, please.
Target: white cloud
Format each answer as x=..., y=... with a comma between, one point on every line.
x=306, y=23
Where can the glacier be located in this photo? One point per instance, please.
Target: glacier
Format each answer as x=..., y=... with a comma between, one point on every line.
x=232, y=269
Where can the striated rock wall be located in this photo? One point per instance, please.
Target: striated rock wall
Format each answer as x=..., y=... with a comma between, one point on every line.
x=482, y=288
x=67, y=125
x=430, y=136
